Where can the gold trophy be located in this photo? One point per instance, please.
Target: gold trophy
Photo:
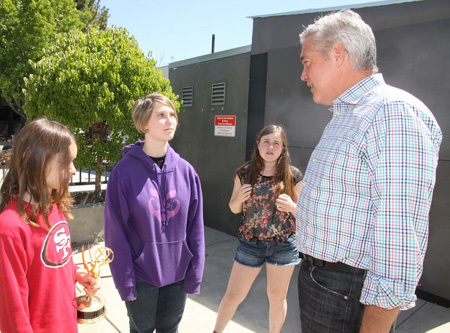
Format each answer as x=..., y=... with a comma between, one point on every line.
x=91, y=309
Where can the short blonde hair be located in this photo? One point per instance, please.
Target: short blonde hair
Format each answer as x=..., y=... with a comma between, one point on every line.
x=143, y=108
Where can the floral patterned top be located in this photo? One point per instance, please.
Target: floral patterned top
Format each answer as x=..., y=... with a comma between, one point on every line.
x=260, y=217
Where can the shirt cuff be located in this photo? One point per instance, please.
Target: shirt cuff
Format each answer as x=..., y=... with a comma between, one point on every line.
x=387, y=294
x=127, y=293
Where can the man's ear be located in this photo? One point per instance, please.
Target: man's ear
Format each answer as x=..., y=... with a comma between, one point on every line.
x=339, y=53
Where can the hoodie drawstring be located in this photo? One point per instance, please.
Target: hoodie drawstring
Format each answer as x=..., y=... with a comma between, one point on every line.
x=165, y=223
x=162, y=194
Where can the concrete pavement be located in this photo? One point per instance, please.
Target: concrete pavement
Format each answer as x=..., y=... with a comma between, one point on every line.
x=252, y=315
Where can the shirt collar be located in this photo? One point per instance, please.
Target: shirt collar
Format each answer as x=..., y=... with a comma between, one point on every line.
x=359, y=90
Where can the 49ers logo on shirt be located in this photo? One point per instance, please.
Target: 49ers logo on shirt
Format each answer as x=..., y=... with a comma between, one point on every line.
x=57, y=250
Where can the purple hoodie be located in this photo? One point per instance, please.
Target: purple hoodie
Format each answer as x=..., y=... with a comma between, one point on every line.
x=154, y=222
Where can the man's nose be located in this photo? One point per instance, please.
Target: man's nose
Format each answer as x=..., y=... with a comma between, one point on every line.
x=304, y=76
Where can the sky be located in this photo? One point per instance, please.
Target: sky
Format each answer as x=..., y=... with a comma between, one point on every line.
x=175, y=30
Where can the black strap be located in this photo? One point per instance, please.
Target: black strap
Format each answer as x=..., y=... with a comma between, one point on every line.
x=333, y=265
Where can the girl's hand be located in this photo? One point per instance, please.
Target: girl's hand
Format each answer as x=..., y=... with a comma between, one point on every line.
x=87, y=281
x=284, y=203
x=240, y=194
x=244, y=193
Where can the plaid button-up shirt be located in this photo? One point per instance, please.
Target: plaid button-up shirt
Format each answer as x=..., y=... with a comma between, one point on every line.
x=368, y=187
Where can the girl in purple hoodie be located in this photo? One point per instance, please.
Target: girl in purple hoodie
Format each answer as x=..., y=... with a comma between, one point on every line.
x=154, y=222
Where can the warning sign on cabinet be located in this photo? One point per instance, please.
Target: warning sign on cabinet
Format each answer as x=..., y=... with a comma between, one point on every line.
x=225, y=126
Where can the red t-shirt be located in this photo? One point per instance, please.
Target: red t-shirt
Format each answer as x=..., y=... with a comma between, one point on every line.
x=37, y=274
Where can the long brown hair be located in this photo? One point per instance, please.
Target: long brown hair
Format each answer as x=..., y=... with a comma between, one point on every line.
x=34, y=148
x=283, y=176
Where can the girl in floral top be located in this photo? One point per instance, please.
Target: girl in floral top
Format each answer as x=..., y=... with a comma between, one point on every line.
x=265, y=191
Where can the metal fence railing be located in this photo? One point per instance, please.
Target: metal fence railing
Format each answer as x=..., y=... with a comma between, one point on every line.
x=82, y=176
x=87, y=177
x=4, y=170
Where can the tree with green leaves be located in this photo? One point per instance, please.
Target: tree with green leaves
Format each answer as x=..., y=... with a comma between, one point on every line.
x=89, y=82
x=27, y=29
x=98, y=17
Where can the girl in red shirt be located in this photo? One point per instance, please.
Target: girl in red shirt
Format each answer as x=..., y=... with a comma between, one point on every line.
x=37, y=275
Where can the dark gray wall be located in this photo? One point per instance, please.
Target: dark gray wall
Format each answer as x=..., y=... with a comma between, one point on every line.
x=277, y=32
x=289, y=104
x=413, y=52
x=256, y=100
x=214, y=158
x=435, y=279
x=415, y=58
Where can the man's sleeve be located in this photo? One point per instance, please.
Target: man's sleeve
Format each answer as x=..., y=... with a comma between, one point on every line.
x=402, y=164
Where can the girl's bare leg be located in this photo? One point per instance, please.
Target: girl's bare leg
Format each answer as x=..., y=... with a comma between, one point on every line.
x=278, y=279
x=241, y=280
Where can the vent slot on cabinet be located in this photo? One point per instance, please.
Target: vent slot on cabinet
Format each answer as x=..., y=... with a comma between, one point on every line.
x=218, y=93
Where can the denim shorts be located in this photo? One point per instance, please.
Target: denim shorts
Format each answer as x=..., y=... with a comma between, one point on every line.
x=255, y=252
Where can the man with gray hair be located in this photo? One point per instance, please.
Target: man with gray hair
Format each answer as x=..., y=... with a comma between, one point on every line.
x=362, y=214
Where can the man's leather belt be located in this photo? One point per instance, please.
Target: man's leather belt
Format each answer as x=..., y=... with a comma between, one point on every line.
x=334, y=265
